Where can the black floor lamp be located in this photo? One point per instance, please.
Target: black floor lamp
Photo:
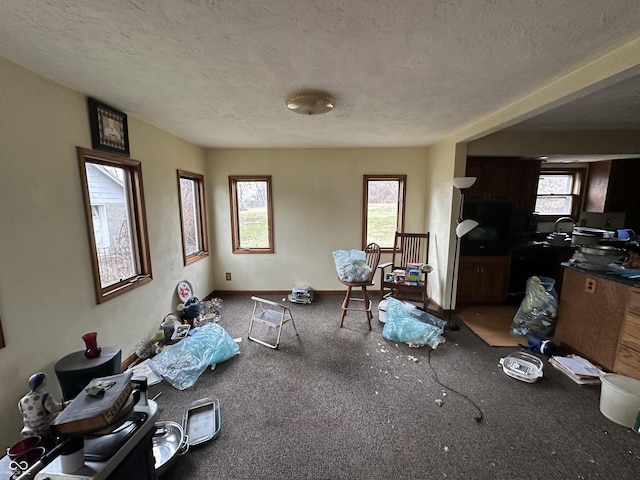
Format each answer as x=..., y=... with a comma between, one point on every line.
x=462, y=228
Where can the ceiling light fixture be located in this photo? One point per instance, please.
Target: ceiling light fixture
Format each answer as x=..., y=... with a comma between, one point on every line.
x=310, y=102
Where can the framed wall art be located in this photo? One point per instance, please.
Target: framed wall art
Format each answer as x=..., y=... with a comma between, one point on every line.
x=109, y=130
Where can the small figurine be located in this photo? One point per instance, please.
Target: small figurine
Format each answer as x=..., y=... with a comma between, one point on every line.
x=38, y=408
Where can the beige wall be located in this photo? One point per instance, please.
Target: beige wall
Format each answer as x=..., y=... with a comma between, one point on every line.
x=46, y=293
x=47, y=299
x=317, y=205
x=440, y=204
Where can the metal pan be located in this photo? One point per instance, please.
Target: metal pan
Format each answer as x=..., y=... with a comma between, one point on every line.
x=581, y=238
x=603, y=250
x=202, y=421
x=169, y=442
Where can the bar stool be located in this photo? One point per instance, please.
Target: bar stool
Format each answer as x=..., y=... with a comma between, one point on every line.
x=372, y=259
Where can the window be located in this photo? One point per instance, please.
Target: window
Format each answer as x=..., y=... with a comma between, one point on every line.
x=383, y=209
x=192, y=216
x=251, y=214
x=559, y=193
x=114, y=204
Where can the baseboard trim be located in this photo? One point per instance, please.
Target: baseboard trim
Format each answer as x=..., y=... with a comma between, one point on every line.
x=221, y=293
x=127, y=362
x=375, y=293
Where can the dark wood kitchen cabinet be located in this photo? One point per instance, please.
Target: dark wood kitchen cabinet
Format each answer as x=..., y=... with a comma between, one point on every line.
x=612, y=186
x=495, y=177
x=504, y=179
x=527, y=173
x=482, y=279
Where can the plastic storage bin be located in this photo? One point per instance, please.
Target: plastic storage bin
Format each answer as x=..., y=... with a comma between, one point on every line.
x=382, y=310
x=620, y=398
x=522, y=366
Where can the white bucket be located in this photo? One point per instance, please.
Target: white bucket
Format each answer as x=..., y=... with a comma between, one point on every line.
x=382, y=310
x=620, y=398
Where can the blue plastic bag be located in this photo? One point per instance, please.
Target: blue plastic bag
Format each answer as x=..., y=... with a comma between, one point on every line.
x=407, y=323
x=182, y=363
x=351, y=266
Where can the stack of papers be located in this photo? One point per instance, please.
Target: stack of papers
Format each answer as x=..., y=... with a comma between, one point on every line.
x=578, y=369
x=143, y=369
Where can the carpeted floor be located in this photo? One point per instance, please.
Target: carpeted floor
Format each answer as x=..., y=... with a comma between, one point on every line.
x=492, y=324
x=347, y=404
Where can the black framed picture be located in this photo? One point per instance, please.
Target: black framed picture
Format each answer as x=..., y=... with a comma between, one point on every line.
x=109, y=129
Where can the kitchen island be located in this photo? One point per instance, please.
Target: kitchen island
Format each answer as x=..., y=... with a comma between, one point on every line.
x=599, y=319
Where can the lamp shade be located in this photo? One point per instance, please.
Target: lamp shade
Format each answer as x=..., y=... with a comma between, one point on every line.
x=465, y=227
x=462, y=183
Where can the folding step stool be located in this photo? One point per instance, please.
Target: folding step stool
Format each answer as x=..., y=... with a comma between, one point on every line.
x=271, y=318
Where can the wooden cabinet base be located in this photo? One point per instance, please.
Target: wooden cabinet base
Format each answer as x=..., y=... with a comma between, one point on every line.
x=482, y=279
x=627, y=362
x=596, y=320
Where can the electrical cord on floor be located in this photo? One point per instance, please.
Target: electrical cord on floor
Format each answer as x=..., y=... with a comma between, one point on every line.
x=478, y=418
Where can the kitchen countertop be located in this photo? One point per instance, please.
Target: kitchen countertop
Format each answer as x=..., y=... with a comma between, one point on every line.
x=608, y=275
x=540, y=245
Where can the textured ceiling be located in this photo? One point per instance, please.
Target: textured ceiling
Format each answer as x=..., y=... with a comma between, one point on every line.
x=403, y=73
x=614, y=108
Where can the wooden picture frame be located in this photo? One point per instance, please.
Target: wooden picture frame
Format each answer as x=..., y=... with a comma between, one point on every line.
x=109, y=128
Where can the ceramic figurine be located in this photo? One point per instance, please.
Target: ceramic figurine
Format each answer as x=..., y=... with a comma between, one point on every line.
x=38, y=408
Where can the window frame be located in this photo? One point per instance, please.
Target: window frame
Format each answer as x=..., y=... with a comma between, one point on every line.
x=137, y=212
x=202, y=230
x=235, y=213
x=402, y=194
x=579, y=175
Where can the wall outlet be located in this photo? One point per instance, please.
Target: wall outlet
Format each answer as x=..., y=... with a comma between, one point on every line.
x=590, y=285
x=227, y=276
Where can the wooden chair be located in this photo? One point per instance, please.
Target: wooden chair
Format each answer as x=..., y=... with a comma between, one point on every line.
x=372, y=259
x=410, y=248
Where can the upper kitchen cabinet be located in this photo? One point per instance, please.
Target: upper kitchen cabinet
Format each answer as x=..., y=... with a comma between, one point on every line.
x=504, y=179
x=495, y=179
x=613, y=186
x=527, y=173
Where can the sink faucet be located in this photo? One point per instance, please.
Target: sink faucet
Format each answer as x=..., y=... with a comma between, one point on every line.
x=556, y=226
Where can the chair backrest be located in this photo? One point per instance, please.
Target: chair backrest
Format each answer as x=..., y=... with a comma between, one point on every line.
x=373, y=257
x=410, y=248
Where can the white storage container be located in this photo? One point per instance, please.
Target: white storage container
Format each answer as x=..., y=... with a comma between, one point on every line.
x=620, y=398
x=382, y=310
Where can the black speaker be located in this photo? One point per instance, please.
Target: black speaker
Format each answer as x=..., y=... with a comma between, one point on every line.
x=75, y=371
